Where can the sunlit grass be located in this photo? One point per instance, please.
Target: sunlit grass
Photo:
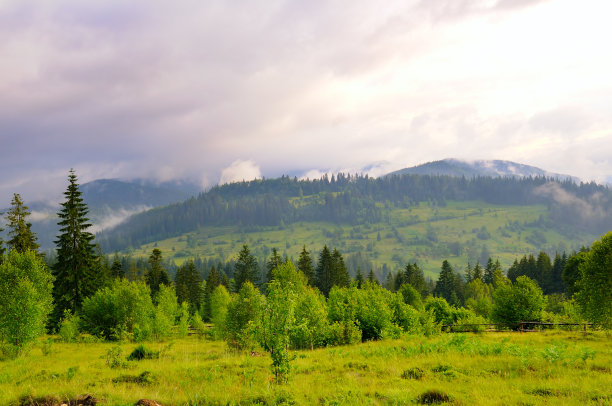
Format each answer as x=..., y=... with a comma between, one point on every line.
x=494, y=368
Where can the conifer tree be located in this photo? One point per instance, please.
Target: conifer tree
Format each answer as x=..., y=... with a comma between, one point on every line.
x=324, y=271
x=305, y=266
x=22, y=237
x=189, y=286
x=157, y=274
x=76, y=266
x=341, y=276
x=372, y=278
x=413, y=275
x=116, y=268
x=359, y=278
x=245, y=269
x=274, y=262
x=477, y=271
x=213, y=280
x=1, y=244
x=445, y=286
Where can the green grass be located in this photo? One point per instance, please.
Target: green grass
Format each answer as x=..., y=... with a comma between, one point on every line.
x=492, y=369
x=404, y=237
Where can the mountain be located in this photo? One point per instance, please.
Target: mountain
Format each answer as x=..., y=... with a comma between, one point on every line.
x=110, y=202
x=387, y=220
x=469, y=169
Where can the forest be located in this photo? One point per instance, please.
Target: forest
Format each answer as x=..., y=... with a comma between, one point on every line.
x=356, y=199
x=280, y=307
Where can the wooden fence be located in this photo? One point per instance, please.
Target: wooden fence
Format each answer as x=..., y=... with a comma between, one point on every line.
x=522, y=327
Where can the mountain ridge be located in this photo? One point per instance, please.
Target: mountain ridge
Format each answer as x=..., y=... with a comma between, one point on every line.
x=493, y=168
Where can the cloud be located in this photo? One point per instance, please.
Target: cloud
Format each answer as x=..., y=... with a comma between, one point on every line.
x=240, y=171
x=113, y=218
x=150, y=89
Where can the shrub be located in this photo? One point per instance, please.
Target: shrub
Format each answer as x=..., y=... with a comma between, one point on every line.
x=594, y=295
x=441, y=310
x=25, y=299
x=521, y=301
x=311, y=326
x=198, y=324
x=69, y=327
x=243, y=315
x=411, y=296
x=141, y=352
x=123, y=307
x=219, y=301
x=165, y=312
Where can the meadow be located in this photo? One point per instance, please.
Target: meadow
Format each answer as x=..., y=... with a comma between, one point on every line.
x=424, y=233
x=553, y=367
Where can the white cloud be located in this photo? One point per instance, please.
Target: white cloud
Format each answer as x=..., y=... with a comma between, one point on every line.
x=240, y=170
x=157, y=89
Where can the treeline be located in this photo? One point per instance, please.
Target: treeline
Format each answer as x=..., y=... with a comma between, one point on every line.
x=356, y=199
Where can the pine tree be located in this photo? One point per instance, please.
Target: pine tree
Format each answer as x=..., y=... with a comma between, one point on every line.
x=274, y=262
x=76, y=266
x=245, y=269
x=372, y=278
x=305, y=266
x=157, y=274
x=413, y=275
x=324, y=271
x=359, y=278
x=213, y=280
x=189, y=286
x=116, y=268
x=340, y=274
x=22, y=237
x=477, y=271
x=445, y=286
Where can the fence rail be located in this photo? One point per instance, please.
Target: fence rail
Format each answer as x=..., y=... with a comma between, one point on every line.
x=523, y=327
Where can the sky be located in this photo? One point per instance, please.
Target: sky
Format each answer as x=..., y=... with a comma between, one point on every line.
x=218, y=91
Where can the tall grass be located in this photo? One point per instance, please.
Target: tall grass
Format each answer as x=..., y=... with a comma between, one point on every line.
x=498, y=368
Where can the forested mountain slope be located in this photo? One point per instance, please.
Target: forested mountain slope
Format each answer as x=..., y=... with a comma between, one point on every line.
x=345, y=201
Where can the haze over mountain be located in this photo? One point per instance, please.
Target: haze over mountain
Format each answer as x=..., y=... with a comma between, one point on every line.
x=110, y=202
x=492, y=168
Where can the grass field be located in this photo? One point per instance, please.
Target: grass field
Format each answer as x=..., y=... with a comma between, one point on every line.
x=553, y=368
x=424, y=234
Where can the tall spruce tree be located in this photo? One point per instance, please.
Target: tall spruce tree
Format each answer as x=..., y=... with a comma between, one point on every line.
x=77, y=263
x=445, y=286
x=189, y=286
x=116, y=269
x=245, y=269
x=156, y=274
x=22, y=237
x=324, y=271
x=1, y=244
x=213, y=280
x=413, y=275
x=274, y=262
x=340, y=274
x=305, y=266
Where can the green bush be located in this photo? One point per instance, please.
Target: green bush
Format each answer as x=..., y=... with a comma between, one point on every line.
x=165, y=312
x=411, y=296
x=219, y=300
x=124, y=307
x=311, y=326
x=69, y=327
x=441, y=310
x=521, y=301
x=141, y=352
x=25, y=300
x=243, y=316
